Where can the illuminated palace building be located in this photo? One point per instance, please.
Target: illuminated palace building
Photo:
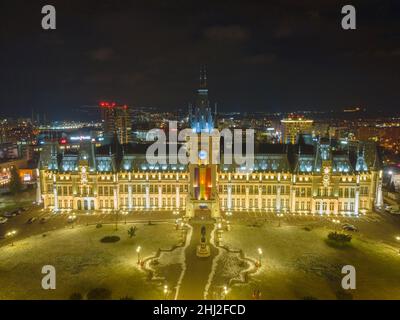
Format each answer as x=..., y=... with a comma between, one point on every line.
x=323, y=178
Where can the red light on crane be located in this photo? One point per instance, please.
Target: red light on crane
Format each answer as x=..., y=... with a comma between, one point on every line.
x=105, y=104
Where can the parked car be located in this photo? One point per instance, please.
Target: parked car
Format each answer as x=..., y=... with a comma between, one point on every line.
x=20, y=210
x=9, y=214
x=392, y=208
x=3, y=220
x=31, y=220
x=43, y=220
x=349, y=227
x=16, y=212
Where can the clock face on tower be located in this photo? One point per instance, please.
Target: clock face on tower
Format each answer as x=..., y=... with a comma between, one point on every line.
x=202, y=155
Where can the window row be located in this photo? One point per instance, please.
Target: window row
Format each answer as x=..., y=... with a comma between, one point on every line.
x=123, y=188
x=264, y=189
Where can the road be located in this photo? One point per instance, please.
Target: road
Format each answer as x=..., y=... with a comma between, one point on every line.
x=379, y=226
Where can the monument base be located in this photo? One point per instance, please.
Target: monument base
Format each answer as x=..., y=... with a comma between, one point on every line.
x=203, y=251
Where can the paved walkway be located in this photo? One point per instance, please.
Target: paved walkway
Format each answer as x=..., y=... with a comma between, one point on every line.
x=197, y=269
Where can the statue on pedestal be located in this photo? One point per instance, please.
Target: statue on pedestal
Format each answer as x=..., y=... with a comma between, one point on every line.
x=203, y=249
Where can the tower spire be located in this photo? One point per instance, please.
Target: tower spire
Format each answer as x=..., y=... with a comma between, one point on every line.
x=203, y=77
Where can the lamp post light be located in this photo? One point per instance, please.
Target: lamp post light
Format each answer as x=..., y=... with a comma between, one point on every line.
x=225, y=291
x=280, y=215
x=183, y=232
x=165, y=292
x=398, y=239
x=260, y=252
x=116, y=219
x=138, y=249
x=336, y=222
x=72, y=218
x=11, y=235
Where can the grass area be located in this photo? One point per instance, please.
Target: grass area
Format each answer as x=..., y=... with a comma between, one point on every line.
x=298, y=264
x=83, y=263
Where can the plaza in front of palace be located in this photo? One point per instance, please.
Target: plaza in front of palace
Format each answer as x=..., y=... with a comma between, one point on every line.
x=296, y=261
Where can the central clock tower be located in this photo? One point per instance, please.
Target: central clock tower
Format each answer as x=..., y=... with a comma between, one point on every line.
x=203, y=196
x=203, y=193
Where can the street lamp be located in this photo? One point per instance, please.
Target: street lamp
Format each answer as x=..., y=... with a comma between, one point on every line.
x=336, y=222
x=398, y=239
x=260, y=252
x=280, y=215
x=72, y=218
x=183, y=232
x=11, y=234
x=138, y=249
x=225, y=291
x=165, y=292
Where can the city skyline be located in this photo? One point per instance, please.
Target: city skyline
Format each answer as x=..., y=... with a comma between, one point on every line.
x=271, y=57
x=200, y=152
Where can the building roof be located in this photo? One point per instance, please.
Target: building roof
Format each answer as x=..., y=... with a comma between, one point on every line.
x=300, y=158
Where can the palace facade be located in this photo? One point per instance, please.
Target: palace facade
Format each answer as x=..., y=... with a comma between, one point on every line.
x=284, y=180
x=319, y=179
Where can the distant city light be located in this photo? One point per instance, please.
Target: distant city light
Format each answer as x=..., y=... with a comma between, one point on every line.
x=76, y=138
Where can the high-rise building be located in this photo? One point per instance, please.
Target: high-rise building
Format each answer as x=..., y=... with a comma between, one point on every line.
x=116, y=121
x=293, y=126
x=3, y=131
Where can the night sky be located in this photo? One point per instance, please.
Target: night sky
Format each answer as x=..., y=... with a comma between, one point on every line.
x=261, y=56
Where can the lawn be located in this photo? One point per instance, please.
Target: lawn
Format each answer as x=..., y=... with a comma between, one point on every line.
x=83, y=263
x=299, y=264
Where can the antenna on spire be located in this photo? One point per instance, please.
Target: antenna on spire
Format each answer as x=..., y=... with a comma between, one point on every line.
x=203, y=77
